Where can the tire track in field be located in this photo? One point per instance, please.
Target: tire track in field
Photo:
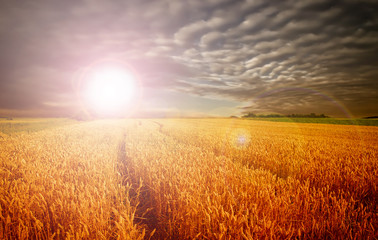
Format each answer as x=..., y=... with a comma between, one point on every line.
x=160, y=126
x=140, y=195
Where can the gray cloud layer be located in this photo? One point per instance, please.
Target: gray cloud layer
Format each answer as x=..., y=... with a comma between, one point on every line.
x=272, y=56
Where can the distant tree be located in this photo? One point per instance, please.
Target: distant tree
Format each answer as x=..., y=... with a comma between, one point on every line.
x=293, y=115
x=234, y=117
x=249, y=115
x=311, y=115
x=272, y=116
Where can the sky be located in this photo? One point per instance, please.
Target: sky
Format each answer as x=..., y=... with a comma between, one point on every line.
x=194, y=58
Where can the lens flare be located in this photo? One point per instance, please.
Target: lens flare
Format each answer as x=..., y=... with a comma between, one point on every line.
x=240, y=138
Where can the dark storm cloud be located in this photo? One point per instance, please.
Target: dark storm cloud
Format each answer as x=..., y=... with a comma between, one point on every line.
x=230, y=49
x=328, y=47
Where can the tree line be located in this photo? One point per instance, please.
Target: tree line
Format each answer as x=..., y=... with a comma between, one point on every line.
x=311, y=115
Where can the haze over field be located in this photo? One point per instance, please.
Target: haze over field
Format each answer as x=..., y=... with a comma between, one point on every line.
x=193, y=58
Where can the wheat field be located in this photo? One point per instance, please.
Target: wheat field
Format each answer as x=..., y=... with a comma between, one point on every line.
x=189, y=179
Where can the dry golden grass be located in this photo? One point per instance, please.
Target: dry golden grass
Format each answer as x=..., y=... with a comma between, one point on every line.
x=63, y=184
x=190, y=179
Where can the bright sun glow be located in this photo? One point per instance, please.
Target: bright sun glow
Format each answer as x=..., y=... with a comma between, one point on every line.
x=110, y=90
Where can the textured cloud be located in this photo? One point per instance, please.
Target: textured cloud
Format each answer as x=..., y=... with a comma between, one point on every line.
x=275, y=56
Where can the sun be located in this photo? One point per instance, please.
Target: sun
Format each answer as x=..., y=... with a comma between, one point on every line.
x=110, y=90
